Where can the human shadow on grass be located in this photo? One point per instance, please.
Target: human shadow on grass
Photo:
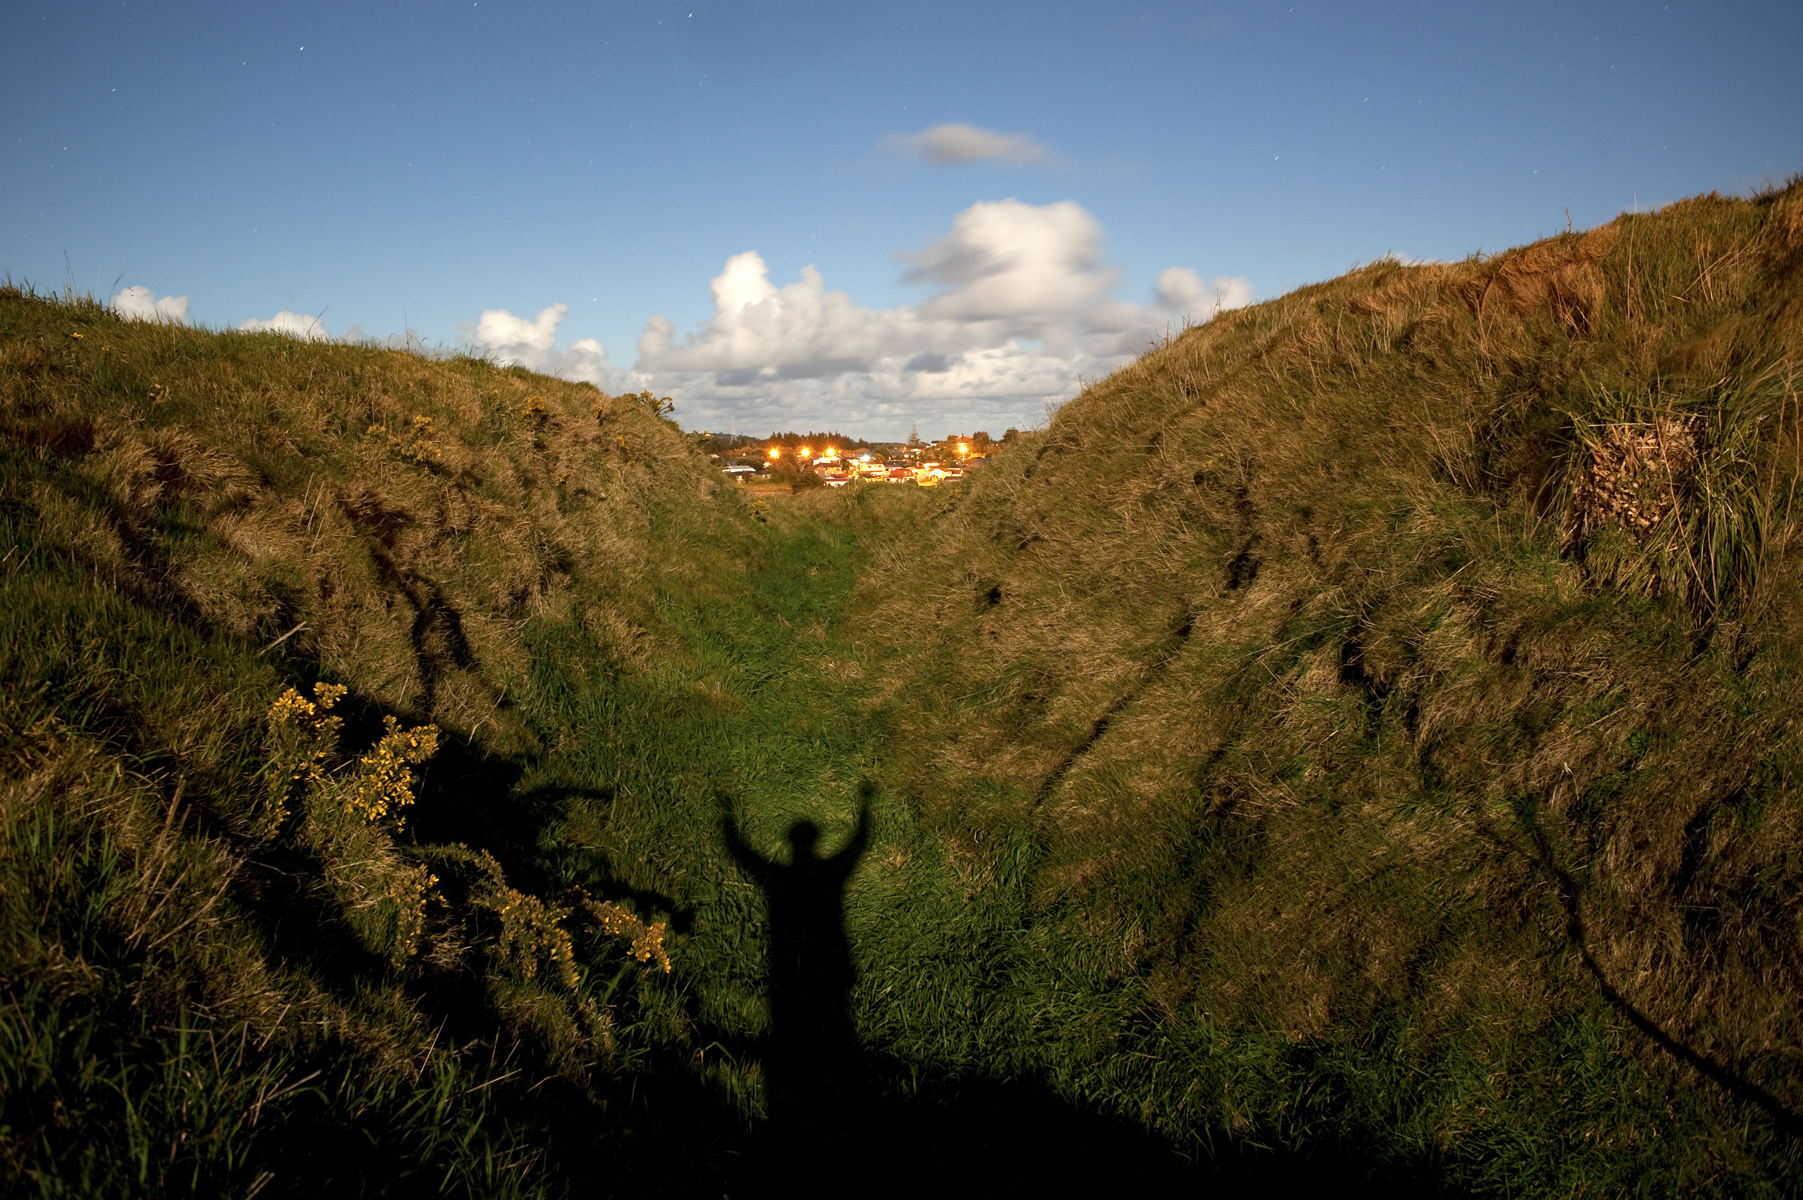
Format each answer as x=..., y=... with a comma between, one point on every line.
x=839, y=1111
x=811, y=1043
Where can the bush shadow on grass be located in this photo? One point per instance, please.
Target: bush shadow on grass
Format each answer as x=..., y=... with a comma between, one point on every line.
x=884, y=1127
x=897, y=1133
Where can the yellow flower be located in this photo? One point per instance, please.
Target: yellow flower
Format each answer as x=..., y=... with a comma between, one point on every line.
x=384, y=777
x=647, y=940
x=290, y=706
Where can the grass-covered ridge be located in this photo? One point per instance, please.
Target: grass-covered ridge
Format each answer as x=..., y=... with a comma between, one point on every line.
x=1385, y=698
x=252, y=589
x=1357, y=739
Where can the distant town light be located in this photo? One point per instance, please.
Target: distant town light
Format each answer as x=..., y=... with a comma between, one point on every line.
x=775, y=452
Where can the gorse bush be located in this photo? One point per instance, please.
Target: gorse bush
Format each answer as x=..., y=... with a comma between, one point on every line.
x=646, y=940
x=384, y=784
x=304, y=739
x=347, y=815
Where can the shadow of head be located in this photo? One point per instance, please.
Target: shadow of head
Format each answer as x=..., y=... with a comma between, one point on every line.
x=804, y=836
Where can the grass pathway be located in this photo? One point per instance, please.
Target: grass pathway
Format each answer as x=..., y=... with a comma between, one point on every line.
x=748, y=710
x=761, y=717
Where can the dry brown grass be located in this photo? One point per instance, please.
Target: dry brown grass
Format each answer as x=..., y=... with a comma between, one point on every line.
x=393, y=517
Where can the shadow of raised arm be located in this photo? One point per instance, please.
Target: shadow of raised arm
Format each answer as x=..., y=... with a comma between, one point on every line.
x=749, y=860
x=846, y=860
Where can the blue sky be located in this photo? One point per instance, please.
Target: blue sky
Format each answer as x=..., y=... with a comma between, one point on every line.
x=956, y=210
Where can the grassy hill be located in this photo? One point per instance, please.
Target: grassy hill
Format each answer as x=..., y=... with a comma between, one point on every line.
x=1356, y=741
x=280, y=742
x=1381, y=704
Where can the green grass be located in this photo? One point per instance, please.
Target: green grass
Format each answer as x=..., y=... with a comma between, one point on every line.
x=1287, y=759
x=174, y=963
x=1330, y=782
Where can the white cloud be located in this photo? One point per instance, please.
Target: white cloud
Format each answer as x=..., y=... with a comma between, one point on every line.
x=801, y=331
x=957, y=143
x=1024, y=309
x=1182, y=291
x=1008, y=260
x=499, y=328
x=515, y=341
x=140, y=304
x=295, y=325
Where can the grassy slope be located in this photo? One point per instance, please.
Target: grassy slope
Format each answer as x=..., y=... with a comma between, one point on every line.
x=215, y=976
x=1330, y=764
x=196, y=992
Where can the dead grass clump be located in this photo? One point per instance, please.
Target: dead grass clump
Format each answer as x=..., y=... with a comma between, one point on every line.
x=1632, y=474
x=1559, y=276
x=1683, y=489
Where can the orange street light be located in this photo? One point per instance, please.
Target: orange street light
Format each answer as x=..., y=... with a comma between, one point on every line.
x=804, y=452
x=775, y=452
